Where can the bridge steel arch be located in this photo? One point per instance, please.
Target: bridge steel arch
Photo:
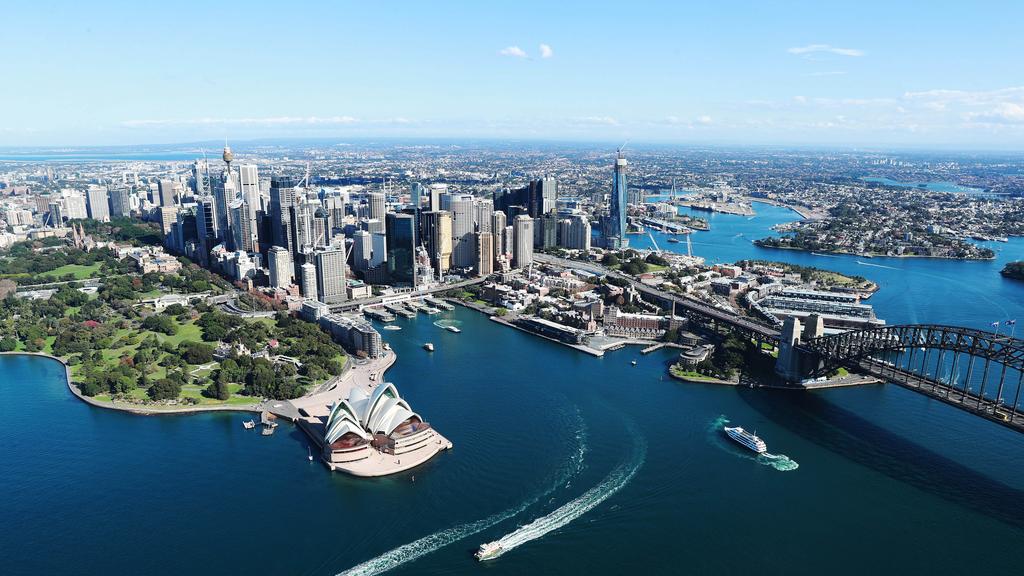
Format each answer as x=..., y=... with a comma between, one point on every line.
x=888, y=352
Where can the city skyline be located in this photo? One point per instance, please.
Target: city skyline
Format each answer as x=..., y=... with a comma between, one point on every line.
x=871, y=75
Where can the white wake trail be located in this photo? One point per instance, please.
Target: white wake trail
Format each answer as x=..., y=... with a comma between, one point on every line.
x=614, y=482
x=436, y=541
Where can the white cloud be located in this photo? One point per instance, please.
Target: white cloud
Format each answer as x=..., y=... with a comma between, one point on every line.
x=825, y=48
x=596, y=120
x=1005, y=113
x=704, y=119
x=514, y=51
x=546, y=51
x=266, y=121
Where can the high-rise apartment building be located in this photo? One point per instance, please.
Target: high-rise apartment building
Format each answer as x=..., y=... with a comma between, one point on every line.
x=522, y=254
x=281, y=269
x=485, y=253
x=98, y=203
x=330, y=275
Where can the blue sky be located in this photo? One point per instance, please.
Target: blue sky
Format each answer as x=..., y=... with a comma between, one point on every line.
x=882, y=74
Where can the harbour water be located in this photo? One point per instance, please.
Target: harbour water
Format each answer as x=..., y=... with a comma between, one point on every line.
x=629, y=466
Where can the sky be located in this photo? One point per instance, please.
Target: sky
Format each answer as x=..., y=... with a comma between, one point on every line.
x=860, y=74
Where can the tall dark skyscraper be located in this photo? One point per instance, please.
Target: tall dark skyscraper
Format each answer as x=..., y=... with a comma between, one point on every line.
x=538, y=197
x=401, y=247
x=615, y=225
x=282, y=198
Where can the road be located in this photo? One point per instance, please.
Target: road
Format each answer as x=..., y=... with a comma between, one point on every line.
x=689, y=304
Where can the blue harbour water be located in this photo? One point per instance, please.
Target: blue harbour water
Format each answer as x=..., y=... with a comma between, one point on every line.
x=622, y=469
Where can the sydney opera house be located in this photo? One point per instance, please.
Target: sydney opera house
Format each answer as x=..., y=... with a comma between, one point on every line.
x=374, y=434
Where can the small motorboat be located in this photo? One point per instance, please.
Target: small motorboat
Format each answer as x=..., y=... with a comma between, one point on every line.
x=249, y=424
x=429, y=346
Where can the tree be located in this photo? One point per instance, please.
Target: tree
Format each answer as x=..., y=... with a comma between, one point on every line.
x=196, y=352
x=218, y=390
x=160, y=323
x=8, y=344
x=164, y=389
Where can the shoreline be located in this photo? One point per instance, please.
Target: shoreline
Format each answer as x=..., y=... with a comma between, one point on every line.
x=871, y=256
x=134, y=409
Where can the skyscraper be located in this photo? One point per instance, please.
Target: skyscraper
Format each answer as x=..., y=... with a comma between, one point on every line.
x=362, y=250
x=238, y=222
x=308, y=275
x=166, y=188
x=485, y=253
x=99, y=205
x=401, y=240
x=498, y=223
x=330, y=275
x=282, y=198
x=463, y=211
x=434, y=201
x=281, y=268
x=615, y=225
x=120, y=201
x=378, y=205
x=437, y=235
x=249, y=182
x=380, y=249
x=549, y=194
x=206, y=226
x=484, y=209
x=574, y=233
x=522, y=254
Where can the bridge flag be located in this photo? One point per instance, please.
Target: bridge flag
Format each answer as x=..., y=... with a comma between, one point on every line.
x=995, y=324
x=1011, y=322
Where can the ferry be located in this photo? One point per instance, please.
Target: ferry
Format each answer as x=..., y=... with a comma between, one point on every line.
x=452, y=329
x=488, y=551
x=429, y=346
x=746, y=439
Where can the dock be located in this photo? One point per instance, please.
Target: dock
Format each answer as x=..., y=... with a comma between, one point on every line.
x=437, y=303
x=376, y=314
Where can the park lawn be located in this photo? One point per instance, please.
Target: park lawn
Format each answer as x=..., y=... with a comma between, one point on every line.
x=80, y=271
x=691, y=375
x=187, y=332
x=656, y=267
x=840, y=372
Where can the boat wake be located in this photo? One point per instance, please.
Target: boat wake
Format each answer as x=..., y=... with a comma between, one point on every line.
x=446, y=323
x=590, y=499
x=780, y=462
x=428, y=544
x=862, y=263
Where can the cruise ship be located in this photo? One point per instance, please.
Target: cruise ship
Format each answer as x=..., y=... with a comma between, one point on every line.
x=746, y=439
x=488, y=551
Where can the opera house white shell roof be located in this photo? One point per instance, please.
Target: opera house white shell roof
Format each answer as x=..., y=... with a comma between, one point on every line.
x=365, y=415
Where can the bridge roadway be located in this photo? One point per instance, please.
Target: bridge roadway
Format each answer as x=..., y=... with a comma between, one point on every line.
x=970, y=401
x=748, y=325
x=375, y=300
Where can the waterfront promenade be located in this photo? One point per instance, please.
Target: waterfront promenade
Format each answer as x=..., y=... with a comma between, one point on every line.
x=310, y=413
